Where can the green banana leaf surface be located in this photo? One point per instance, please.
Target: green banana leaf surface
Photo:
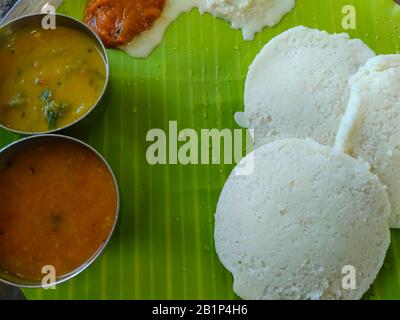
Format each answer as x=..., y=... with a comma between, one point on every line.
x=163, y=247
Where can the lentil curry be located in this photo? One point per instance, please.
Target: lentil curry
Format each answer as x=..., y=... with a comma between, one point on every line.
x=48, y=78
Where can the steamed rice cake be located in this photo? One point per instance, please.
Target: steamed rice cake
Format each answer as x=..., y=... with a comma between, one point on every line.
x=297, y=86
x=371, y=127
x=307, y=211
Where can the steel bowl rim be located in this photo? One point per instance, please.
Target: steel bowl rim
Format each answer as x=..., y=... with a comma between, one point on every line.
x=106, y=83
x=101, y=249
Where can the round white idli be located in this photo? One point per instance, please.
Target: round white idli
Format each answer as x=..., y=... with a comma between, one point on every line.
x=287, y=230
x=371, y=127
x=297, y=86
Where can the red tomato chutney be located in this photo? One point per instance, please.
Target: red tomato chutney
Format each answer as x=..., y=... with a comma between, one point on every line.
x=58, y=204
x=117, y=22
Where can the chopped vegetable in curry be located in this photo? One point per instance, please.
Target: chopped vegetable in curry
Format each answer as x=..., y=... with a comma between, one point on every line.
x=52, y=111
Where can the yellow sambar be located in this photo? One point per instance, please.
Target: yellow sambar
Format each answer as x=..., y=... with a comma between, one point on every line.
x=48, y=79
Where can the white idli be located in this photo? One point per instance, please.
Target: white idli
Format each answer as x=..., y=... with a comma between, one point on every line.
x=297, y=86
x=287, y=230
x=371, y=127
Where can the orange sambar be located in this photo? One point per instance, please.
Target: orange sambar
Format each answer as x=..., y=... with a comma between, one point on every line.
x=58, y=205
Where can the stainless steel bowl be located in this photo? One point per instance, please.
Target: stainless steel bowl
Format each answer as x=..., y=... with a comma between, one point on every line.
x=35, y=20
x=12, y=150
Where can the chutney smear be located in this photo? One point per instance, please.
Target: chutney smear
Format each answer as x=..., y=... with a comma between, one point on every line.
x=117, y=22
